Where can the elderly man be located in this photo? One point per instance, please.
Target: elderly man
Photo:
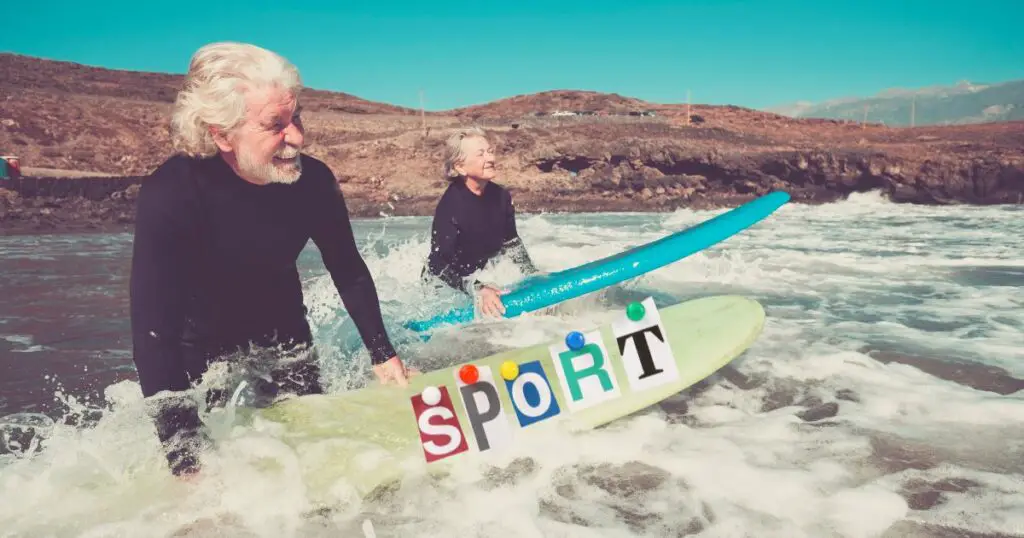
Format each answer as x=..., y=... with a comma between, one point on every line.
x=219, y=228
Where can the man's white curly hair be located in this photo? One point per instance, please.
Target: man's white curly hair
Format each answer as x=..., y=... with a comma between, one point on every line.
x=219, y=75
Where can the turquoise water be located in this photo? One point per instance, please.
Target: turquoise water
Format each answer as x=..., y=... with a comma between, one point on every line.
x=857, y=294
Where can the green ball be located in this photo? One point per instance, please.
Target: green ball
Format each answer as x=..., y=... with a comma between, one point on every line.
x=635, y=311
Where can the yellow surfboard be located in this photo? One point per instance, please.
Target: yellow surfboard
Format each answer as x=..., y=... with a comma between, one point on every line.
x=373, y=436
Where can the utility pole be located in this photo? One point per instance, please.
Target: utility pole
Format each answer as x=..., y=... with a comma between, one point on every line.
x=864, y=122
x=423, y=118
x=687, y=107
x=913, y=109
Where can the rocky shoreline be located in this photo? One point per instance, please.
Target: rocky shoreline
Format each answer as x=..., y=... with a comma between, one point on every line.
x=111, y=208
x=731, y=156
x=612, y=153
x=653, y=180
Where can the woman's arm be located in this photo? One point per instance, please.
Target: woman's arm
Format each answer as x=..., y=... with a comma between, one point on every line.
x=514, y=245
x=443, y=258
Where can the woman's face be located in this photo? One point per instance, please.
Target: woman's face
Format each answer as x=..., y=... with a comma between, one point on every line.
x=479, y=161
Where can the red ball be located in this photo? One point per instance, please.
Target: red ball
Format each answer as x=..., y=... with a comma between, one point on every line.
x=469, y=374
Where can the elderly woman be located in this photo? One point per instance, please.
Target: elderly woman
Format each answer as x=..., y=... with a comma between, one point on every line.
x=219, y=228
x=474, y=221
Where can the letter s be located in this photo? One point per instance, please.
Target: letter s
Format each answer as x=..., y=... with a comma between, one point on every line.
x=447, y=430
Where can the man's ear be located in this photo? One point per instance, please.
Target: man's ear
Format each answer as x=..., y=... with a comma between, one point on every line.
x=221, y=139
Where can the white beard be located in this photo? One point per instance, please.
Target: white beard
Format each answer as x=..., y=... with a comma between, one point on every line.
x=272, y=172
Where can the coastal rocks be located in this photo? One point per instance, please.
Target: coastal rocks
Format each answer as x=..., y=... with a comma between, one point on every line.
x=670, y=169
x=924, y=494
x=891, y=454
x=63, y=204
x=914, y=529
x=974, y=375
x=509, y=475
x=610, y=495
x=9, y=200
x=809, y=401
x=819, y=412
x=602, y=166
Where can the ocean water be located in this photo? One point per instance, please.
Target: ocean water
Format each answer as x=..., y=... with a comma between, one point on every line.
x=882, y=399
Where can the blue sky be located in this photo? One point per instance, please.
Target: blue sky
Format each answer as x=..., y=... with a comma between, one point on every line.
x=754, y=54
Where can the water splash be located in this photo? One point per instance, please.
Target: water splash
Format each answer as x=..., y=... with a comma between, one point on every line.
x=808, y=432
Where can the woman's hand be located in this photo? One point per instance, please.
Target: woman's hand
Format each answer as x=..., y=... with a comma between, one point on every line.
x=490, y=301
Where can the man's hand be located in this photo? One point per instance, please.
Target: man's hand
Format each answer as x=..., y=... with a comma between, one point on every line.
x=393, y=372
x=490, y=301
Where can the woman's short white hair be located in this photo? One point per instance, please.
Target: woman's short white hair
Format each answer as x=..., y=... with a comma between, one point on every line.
x=453, y=152
x=219, y=75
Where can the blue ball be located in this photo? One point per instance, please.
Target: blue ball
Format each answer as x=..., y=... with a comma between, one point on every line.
x=575, y=340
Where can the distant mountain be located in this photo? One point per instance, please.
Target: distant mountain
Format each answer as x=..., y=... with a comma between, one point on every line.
x=961, y=103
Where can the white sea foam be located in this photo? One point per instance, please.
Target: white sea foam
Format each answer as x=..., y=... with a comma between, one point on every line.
x=838, y=281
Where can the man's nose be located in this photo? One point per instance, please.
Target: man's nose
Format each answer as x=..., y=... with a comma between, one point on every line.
x=293, y=135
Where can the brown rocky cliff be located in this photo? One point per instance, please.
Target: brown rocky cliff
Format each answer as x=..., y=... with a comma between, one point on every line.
x=654, y=164
x=614, y=157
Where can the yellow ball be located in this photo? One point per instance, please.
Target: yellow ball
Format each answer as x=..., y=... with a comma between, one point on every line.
x=509, y=370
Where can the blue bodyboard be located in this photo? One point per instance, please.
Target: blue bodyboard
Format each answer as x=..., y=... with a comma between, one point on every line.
x=542, y=291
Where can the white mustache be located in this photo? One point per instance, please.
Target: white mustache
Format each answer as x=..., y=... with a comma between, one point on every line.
x=289, y=153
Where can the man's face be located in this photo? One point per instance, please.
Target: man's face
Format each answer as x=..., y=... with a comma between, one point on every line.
x=265, y=149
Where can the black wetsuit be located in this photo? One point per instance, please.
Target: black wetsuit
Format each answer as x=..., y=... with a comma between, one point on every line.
x=469, y=230
x=214, y=273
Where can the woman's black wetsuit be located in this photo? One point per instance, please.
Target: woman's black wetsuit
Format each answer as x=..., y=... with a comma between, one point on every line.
x=469, y=230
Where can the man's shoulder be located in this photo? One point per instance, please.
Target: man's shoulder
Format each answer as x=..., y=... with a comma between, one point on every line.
x=171, y=180
x=317, y=177
x=315, y=170
x=314, y=164
x=175, y=165
x=167, y=196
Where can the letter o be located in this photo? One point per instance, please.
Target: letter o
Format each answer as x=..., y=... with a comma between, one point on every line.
x=519, y=394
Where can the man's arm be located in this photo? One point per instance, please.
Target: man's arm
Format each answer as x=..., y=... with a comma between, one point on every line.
x=158, y=290
x=332, y=234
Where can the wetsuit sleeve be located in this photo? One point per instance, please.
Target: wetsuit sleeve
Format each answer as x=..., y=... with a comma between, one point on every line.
x=513, y=244
x=443, y=240
x=332, y=234
x=157, y=291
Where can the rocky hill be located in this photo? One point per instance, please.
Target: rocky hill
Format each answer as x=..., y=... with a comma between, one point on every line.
x=585, y=103
x=599, y=152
